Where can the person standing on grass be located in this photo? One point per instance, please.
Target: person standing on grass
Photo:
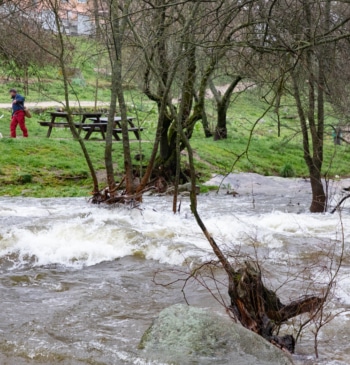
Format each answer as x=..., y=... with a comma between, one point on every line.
x=18, y=115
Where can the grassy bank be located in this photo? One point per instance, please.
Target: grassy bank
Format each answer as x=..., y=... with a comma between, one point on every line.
x=55, y=167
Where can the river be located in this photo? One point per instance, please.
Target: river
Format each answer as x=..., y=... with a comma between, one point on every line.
x=77, y=280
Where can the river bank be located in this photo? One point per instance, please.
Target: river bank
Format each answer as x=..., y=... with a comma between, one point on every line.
x=59, y=104
x=55, y=166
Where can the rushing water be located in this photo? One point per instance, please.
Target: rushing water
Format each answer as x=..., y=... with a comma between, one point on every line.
x=77, y=280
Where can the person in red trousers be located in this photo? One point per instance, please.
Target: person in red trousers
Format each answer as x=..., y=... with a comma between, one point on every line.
x=18, y=116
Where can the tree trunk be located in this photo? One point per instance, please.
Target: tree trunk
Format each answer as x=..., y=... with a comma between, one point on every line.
x=76, y=135
x=26, y=80
x=164, y=147
x=109, y=135
x=318, y=204
x=96, y=15
x=206, y=127
x=117, y=33
x=189, y=78
x=260, y=310
x=222, y=104
x=313, y=130
x=221, y=126
x=314, y=164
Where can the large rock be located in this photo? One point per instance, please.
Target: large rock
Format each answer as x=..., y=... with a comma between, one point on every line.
x=184, y=335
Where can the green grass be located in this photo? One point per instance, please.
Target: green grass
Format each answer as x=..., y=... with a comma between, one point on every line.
x=42, y=167
x=267, y=154
x=56, y=165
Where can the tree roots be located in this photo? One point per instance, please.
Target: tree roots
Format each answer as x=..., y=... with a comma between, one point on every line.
x=260, y=310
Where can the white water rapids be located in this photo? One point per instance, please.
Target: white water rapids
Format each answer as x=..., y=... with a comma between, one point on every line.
x=76, y=279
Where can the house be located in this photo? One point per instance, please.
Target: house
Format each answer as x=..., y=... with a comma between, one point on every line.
x=76, y=16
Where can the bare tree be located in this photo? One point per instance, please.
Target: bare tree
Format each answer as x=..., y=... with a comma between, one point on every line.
x=305, y=36
x=60, y=53
x=114, y=26
x=177, y=65
x=17, y=49
x=256, y=307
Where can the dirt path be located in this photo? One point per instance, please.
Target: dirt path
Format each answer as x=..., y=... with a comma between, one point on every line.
x=48, y=104
x=242, y=86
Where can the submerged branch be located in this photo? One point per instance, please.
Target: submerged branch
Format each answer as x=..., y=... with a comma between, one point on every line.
x=340, y=203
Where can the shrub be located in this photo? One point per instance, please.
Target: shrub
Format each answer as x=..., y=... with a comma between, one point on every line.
x=25, y=179
x=287, y=171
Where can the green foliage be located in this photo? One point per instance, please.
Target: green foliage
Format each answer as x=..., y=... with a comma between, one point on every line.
x=25, y=179
x=208, y=188
x=287, y=171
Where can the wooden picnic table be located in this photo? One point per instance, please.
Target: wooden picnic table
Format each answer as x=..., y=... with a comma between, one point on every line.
x=102, y=125
x=98, y=124
x=64, y=115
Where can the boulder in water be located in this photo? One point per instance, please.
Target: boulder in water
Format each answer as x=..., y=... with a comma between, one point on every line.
x=187, y=335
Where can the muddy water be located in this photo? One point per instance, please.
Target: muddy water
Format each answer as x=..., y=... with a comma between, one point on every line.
x=77, y=281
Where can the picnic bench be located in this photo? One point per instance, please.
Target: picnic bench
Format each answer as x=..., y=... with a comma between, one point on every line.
x=64, y=115
x=102, y=125
x=97, y=124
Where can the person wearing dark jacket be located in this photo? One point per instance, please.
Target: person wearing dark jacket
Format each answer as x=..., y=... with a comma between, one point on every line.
x=18, y=115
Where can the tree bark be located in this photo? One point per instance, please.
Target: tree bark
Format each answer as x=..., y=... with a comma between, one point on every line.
x=313, y=159
x=316, y=124
x=96, y=15
x=318, y=203
x=221, y=125
x=109, y=135
x=313, y=163
x=117, y=88
x=205, y=123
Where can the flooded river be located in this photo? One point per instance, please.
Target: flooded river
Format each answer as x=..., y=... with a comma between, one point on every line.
x=77, y=282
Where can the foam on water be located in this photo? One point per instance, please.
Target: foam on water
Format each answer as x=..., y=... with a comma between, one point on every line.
x=74, y=234
x=81, y=234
